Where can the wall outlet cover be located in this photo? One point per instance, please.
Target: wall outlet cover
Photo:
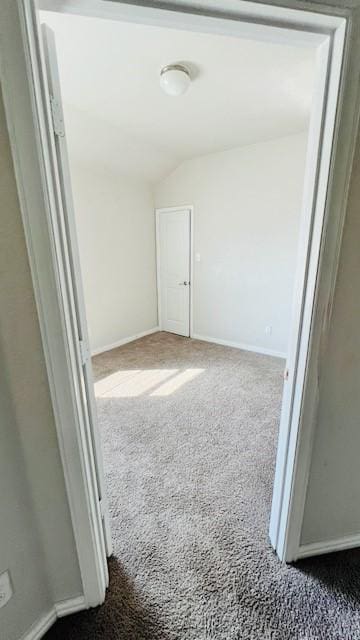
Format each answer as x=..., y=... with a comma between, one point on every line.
x=5, y=588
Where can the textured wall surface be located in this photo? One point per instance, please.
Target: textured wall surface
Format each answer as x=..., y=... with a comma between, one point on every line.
x=36, y=540
x=247, y=206
x=116, y=233
x=333, y=497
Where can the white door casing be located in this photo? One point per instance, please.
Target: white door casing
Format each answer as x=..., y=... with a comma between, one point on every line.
x=69, y=264
x=173, y=228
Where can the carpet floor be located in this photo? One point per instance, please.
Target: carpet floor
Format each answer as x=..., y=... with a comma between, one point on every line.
x=189, y=435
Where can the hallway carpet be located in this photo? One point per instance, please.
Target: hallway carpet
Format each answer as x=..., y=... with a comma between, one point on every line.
x=189, y=436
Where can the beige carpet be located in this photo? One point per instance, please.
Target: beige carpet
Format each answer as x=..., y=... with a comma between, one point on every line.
x=189, y=433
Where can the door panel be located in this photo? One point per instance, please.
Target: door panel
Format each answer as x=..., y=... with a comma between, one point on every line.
x=69, y=263
x=174, y=270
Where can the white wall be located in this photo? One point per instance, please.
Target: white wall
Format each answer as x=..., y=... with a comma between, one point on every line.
x=332, y=508
x=116, y=235
x=36, y=538
x=247, y=204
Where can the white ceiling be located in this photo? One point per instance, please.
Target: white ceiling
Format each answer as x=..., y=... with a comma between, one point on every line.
x=116, y=114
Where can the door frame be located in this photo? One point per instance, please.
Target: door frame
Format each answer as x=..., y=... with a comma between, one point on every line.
x=335, y=28
x=158, y=211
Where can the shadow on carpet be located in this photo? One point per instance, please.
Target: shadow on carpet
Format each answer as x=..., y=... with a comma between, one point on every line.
x=189, y=433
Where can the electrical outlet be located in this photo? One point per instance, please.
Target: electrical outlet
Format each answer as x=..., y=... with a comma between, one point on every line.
x=268, y=330
x=5, y=588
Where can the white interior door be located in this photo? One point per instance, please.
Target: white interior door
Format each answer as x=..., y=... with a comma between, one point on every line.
x=173, y=254
x=72, y=293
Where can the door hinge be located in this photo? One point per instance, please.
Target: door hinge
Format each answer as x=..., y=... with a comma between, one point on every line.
x=84, y=352
x=57, y=118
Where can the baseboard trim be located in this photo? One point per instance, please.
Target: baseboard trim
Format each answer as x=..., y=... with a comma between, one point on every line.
x=123, y=341
x=240, y=345
x=40, y=627
x=328, y=546
x=67, y=607
x=59, y=610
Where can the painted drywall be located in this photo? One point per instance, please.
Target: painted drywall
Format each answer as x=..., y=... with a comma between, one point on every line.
x=332, y=508
x=116, y=235
x=134, y=143
x=270, y=86
x=247, y=206
x=20, y=547
x=36, y=539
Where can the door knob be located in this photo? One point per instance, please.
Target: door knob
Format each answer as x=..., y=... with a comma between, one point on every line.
x=185, y=283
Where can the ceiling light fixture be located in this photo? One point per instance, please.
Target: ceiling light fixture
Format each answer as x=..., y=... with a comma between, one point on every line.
x=174, y=79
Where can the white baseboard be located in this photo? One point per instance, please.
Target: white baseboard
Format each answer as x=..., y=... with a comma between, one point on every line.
x=240, y=345
x=119, y=343
x=328, y=546
x=60, y=609
x=72, y=605
x=40, y=627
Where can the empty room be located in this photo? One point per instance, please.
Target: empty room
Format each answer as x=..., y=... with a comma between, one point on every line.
x=179, y=320
x=184, y=160
x=187, y=188
x=187, y=192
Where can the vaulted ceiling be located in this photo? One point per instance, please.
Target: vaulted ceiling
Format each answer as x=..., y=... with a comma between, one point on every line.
x=242, y=92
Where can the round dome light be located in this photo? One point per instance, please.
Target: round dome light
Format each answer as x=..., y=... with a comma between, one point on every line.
x=174, y=79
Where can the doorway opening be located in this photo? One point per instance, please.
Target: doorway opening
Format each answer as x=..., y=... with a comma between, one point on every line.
x=205, y=384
